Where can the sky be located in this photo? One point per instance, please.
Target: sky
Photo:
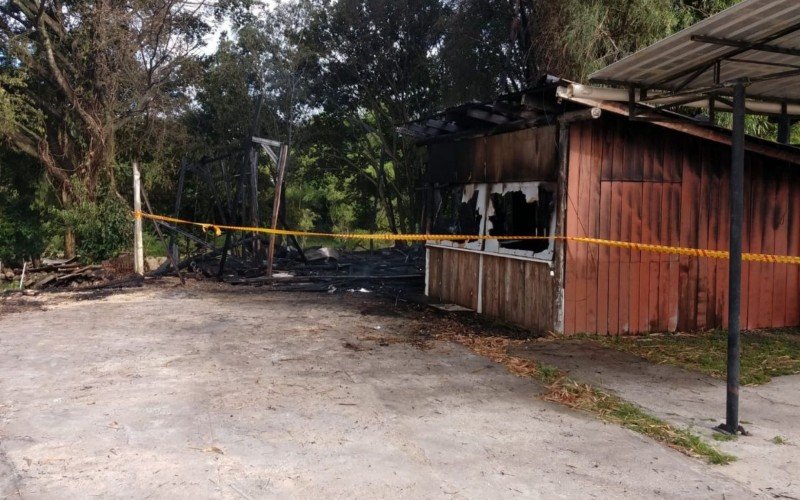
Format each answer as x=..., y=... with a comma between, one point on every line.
x=212, y=39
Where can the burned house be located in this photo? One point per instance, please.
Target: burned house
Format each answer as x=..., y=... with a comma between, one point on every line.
x=546, y=162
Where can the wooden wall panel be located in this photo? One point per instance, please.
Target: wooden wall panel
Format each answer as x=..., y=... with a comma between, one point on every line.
x=642, y=183
x=518, y=291
x=524, y=155
x=460, y=162
x=453, y=277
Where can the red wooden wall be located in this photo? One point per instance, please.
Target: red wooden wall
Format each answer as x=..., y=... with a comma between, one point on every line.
x=643, y=183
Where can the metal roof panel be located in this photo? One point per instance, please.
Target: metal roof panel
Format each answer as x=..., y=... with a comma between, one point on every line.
x=680, y=62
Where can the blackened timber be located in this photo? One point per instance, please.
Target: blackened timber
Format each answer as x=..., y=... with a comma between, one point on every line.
x=171, y=257
x=277, y=205
x=560, y=251
x=173, y=248
x=500, y=129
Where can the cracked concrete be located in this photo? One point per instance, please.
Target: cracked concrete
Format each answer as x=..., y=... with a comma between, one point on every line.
x=187, y=393
x=689, y=399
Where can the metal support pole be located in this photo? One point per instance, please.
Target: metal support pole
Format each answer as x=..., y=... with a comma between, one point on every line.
x=784, y=125
x=138, y=245
x=735, y=285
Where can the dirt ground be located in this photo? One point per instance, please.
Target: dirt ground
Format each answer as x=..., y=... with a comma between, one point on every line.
x=216, y=392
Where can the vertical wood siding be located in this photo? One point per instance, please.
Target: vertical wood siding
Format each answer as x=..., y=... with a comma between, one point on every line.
x=453, y=277
x=642, y=183
x=516, y=291
x=524, y=155
x=519, y=292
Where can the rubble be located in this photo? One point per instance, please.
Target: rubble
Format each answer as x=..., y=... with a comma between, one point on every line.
x=393, y=271
x=70, y=274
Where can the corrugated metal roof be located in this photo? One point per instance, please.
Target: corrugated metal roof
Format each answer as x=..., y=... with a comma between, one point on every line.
x=755, y=40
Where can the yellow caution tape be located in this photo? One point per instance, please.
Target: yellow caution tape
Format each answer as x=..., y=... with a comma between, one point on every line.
x=643, y=247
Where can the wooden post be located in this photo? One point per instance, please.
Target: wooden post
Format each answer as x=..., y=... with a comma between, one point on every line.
x=560, y=250
x=276, y=206
x=22, y=277
x=138, y=244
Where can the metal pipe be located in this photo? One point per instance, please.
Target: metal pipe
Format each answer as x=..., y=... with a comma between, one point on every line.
x=622, y=95
x=735, y=276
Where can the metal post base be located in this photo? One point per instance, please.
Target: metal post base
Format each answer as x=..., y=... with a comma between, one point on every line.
x=723, y=428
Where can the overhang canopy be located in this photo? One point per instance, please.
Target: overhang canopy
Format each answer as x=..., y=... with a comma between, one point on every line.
x=756, y=42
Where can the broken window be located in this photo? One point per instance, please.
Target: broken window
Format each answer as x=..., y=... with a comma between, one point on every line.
x=460, y=210
x=522, y=209
x=502, y=209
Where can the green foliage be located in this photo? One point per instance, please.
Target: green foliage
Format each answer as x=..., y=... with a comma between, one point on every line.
x=20, y=237
x=17, y=111
x=102, y=229
x=576, y=37
x=152, y=245
x=333, y=79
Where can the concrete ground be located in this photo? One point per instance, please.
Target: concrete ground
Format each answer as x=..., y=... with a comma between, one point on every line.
x=230, y=393
x=689, y=399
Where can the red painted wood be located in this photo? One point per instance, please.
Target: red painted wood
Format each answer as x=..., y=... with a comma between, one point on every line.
x=767, y=214
x=689, y=213
x=753, y=230
x=703, y=221
x=780, y=271
x=615, y=254
x=603, y=273
x=604, y=231
x=682, y=200
x=635, y=193
x=648, y=274
x=793, y=248
x=592, y=169
x=573, y=182
x=584, y=195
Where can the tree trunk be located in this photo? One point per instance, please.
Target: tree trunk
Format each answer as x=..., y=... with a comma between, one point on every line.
x=387, y=203
x=69, y=243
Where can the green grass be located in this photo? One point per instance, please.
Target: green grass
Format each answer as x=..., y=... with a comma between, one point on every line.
x=616, y=410
x=719, y=436
x=153, y=246
x=780, y=440
x=765, y=354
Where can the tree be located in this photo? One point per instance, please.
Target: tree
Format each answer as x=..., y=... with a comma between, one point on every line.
x=372, y=65
x=92, y=68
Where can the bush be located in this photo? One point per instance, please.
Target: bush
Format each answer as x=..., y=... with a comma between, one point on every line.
x=102, y=228
x=20, y=235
